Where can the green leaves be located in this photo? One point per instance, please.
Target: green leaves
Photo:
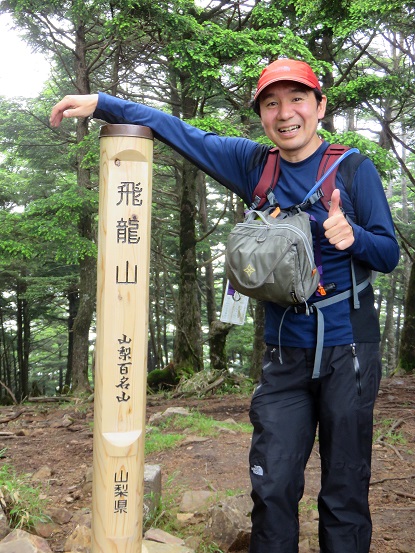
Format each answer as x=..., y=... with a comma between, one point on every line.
x=55, y=221
x=384, y=160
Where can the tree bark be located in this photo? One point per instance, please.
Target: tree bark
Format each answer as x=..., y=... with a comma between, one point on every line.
x=188, y=339
x=258, y=345
x=23, y=342
x=326, y=54
x=87, y=264
x=388, y=346
x=218, y=332
x=407, y=346
x=73, y=305
x=209, y=281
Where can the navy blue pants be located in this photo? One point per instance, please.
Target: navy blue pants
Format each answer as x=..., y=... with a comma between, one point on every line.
x=287, y=408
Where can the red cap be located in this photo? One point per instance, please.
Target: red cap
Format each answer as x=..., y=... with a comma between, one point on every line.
x=287, y=70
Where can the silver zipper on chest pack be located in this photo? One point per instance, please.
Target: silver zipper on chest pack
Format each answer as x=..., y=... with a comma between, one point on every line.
x=295, y=230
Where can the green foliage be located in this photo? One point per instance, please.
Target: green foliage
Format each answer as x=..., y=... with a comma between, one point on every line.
x=266, y=13
x=203, y=62
x=23, y=504
x=364, y=87
x=162, y=379
x=239, y=346
x=170, y=431
x=383, y=159
x=385, y=431
x=55, y=220
x=218, y=126
x=201, y=425
x=87, y=149
x=159, y=441
x=164, y=515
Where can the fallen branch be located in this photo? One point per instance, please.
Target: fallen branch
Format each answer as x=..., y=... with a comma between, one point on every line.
x=393, y=507
x=12, y=417
x=393, y=448
x=49, y=399
x=396, y=424
x=381, y=439
x=11, y=394
x=212, y=386
x=405, y=494
x=201, y=391
x=392, y=478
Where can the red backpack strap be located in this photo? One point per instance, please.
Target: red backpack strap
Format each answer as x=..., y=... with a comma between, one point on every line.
x=268, y=180
x=329, y=184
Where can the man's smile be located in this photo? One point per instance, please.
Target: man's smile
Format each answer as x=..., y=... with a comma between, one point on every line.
x=289, y=129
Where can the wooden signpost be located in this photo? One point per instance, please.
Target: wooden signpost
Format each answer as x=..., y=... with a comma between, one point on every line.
x=121, y=348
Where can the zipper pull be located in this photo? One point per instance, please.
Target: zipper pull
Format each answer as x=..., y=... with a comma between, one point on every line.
x=356, y=369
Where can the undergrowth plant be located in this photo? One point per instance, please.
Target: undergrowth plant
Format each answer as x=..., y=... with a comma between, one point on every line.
x=23, y=503
x=197, y=423
x=388, y=432
x=164, y=516
x=166, y=434
x=170, y=431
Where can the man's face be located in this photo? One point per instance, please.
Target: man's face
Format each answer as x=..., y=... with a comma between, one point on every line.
x=289, y=116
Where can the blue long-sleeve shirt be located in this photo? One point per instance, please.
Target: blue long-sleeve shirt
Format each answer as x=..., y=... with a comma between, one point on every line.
x=237, y=163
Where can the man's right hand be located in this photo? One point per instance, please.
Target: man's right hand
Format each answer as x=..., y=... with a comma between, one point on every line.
x=73, y=106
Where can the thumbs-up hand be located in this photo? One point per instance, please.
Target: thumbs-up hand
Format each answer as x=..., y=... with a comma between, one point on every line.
x=338, y=231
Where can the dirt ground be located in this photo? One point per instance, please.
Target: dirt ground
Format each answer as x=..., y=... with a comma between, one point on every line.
x=39, y=436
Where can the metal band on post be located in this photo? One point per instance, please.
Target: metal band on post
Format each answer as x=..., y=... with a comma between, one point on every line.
x=125, y=188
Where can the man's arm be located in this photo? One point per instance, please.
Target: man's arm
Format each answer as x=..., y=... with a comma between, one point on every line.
x=374, y=241
x=226, y=159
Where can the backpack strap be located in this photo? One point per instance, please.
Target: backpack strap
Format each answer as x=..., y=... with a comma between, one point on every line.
x=271, y=172
x=329, y=157
x=351, y=293
x=269, y=177
x=315, y=308
x=347, y=170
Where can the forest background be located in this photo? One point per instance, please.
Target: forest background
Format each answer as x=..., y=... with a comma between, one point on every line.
x=199, y=61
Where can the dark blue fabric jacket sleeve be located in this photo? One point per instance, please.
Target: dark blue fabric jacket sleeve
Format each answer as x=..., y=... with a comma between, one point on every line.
x=375, y=243
x=237, y=163
x=228, y=160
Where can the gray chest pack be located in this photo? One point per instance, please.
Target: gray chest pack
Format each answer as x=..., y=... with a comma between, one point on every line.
x=270, y=256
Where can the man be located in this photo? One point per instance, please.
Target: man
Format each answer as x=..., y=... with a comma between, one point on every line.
x=289, y=404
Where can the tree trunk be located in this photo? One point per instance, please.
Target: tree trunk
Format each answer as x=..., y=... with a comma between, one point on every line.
x=188, y=339
x=218, y=332
x=388, y=346
x=158, y=319
x=206, y=252
x=5, y=365
x=87, y=264
x=258, y=345
x=73, y=306
x=407, y=346
x=82, y=324
x=187, y=349
x=326, y=54
x=23, y=341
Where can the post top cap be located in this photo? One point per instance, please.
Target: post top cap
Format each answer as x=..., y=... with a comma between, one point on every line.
x=136, y=131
